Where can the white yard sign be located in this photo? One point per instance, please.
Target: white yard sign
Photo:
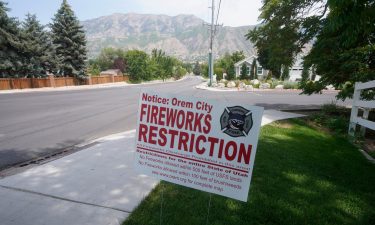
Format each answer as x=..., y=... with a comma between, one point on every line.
x=198, y=143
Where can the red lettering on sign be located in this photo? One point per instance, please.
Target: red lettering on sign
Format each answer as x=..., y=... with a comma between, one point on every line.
x=163, y=139
x=229, y=156
x=183, y=140
x=244, y=154
x=198, y=149
x=213, y=141
x=142, y=132
x=152, y=135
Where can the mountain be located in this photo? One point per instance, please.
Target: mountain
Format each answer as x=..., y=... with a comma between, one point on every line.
x=183, y=36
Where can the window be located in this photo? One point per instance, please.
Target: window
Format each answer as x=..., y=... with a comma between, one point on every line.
x=248, y=70
x=259, y=70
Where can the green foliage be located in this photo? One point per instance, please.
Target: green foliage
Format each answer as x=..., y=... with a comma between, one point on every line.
x=291, y=85
x=253, y=70
x=188, y=67
x=180, y=72
x=343, y=35
x=70, y=41
x=285, y=73
x=197, y=69
x=38, y=51
x=334, y=117
x=227, y=63
x=138, y=65
x=204, y=68
x=93, y=69
x=164, y=64
x=10, y=44
x=244, y=72
x=237, y=56
x=219, y=72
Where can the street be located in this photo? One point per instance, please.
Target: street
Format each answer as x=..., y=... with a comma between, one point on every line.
x=38, y=123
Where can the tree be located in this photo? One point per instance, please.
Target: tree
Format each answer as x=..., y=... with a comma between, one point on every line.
x=342, y=31
x=231, y=73
x=38, y=51
x=70, y=41
x=244, y=72
x=285, y=73
x=10, y=44
x=197, y=69
x=138, y=65
x=253, y=70
x=237, y=56
x=120, y=64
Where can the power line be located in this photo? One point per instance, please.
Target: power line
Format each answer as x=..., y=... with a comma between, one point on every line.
x=218, y=12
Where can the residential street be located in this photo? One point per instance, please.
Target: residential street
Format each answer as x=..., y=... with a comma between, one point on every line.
x=39, y=123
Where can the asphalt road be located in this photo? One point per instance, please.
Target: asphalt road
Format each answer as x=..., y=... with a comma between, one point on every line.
x=39, y=123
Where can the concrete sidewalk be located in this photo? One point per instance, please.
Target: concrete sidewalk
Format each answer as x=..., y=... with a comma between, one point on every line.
x=95, y=186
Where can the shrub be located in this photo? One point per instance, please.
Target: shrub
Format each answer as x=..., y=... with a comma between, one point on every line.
x=290, y=85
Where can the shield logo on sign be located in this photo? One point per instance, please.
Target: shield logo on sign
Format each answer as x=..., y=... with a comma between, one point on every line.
x=236, y=121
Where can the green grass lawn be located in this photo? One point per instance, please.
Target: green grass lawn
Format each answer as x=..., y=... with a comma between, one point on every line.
x=301, y=176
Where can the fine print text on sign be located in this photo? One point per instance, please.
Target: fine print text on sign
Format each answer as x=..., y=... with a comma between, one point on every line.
x=198, y=143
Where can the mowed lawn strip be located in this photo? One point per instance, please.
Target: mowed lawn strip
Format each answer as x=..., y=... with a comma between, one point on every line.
x=301, y=176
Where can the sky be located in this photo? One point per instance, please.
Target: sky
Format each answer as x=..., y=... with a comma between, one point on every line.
x=232, y=12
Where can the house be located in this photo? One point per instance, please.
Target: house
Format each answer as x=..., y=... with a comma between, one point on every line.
x=113, y=72
x=295, y=72
x=260, y=72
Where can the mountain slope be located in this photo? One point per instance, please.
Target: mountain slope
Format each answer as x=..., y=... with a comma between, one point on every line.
x=183, y=36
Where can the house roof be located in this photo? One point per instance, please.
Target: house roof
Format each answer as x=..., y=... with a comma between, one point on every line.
x=248, y=60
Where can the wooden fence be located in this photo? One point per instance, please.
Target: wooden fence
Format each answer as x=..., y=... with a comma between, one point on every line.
x=365, y=105
x=51, y=81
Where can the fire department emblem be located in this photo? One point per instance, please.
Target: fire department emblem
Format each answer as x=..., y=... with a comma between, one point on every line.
x=236, y=121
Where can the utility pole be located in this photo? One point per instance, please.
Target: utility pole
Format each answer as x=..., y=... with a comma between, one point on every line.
x=210, y=55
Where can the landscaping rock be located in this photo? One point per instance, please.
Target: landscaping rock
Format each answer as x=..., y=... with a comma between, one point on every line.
x=241, y=85
x=265, y=86
x=214, y=78
x=249, y=87
x=221, y=85
x=231, y=84
x=222, y=81
x=279, y=87
x=255, y=82
x=214, y=85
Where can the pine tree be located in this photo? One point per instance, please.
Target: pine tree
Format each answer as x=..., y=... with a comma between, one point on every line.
x=10, y=44
x=253, y=70
x=197, y=70
x=38, y=49
x=285, y=73
x=70, y=41
x=244, y=72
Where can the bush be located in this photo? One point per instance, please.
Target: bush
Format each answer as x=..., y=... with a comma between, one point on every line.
x=334, y=117
x=290, y=85
x=334, y=109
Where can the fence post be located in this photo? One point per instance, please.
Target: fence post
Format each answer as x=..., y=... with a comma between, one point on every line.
x=354, y=113
x=51, y=79
x=366, y=112
x=112, y=77
x=89, y=80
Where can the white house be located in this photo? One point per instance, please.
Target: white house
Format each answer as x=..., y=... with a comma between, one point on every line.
x=260, y=72
x=295, y=72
